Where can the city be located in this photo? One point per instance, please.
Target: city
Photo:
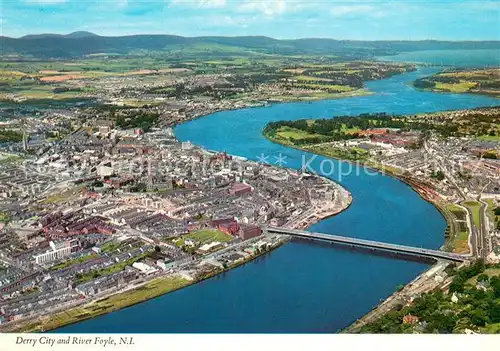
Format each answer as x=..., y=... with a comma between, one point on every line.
x=104, y=210
x=230, y=182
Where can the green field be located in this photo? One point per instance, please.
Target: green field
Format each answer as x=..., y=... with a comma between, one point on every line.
x=63, y=196
x=4, y=217
x=492, y=328
x=6, y=158
x=293, y=133
x=458, y=238
x=36, y=80
x=83, y=79
x=490, y=137
x=70, y=263
x=290, y=135
x=88, y=66
x=475, y=208
x=458, y=212
x=461, y=87
x=205, y=236
x=481, y=81
x=491, y=207
x=42, y=92
x=327, y=87
x=110, y=247
x=462, y=242
x=318, y=95
x=352, y=154
x=490, y=272
x=311, y=79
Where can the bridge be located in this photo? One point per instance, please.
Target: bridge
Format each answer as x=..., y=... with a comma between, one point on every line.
x=369, y=244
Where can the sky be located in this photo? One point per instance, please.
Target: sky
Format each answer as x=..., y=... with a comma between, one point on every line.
x=282, y=19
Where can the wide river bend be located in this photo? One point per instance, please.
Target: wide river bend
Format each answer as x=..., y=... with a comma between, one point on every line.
x=304, y=287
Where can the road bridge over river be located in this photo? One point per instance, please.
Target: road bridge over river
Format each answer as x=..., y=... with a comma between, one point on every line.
x=369, y=244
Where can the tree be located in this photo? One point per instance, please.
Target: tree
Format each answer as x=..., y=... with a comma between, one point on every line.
x=462, y=324
x=479, y=317
x=439, y=175
x=495, y=284
x=483, y=278
x=495, y=312
x=457, y=284
x=497, y=211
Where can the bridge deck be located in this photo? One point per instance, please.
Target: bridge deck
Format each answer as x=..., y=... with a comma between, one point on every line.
x=370, y=244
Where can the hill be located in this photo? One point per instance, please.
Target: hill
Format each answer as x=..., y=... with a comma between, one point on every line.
x=74, y=35
x=80, y=44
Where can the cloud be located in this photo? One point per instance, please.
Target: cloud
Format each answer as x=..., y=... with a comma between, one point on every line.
x=212, y=3
x=356, y=10
x=200, y=3
x=485, y=5
x=343, y=10
x=45, y=2
x=222, y=21
x=121, y=4
x=268, y=8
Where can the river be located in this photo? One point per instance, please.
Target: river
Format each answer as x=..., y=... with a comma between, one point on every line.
x=304, y=287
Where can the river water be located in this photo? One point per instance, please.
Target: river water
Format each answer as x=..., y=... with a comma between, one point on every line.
x=304, y=287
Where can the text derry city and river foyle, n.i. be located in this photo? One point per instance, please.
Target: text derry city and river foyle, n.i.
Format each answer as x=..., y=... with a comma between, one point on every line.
x=75, y=340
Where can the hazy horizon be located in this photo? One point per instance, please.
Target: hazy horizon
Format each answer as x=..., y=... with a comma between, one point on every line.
x=371, y=20
x=250, y=35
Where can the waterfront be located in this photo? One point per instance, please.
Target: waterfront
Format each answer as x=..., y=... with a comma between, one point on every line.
x=454, y=58
x=297, y=287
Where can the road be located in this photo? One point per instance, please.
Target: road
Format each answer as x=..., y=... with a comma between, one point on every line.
x=483, y=232
x=478, y=236
x=374, y=245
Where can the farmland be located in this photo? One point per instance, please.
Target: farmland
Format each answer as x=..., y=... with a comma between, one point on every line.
x=479, y=81
x=263, y=77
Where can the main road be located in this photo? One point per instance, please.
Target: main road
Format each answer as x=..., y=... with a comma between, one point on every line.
x=371, y=244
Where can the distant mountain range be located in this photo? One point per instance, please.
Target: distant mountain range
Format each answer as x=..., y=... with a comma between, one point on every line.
x=78, y=44
x=74, y=35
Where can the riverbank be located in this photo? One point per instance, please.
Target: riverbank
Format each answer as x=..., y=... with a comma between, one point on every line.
x=236, y=104
x=422, y=188
x=472, y=81
x=408, y=202
x=161, y=284
x=118, y=300
x=369, y=209
x=424, y=283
